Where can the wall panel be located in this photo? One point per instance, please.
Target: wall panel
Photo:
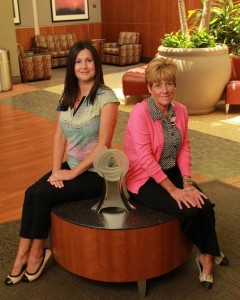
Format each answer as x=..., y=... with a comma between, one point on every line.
x=83, y=32
x=151, y=18
x=24, y=37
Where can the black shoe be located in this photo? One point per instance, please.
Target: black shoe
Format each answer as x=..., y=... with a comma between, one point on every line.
x=13, y=279
x=221, y=260
x=206, y=280
x=31, y=277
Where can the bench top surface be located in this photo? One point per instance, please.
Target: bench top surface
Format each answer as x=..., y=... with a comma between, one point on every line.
x=81, y=213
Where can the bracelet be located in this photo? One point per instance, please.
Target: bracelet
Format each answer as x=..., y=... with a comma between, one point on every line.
x=189, y=189
x=190, y=181
x=188, y=184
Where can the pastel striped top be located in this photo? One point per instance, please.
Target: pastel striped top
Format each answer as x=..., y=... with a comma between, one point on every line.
x=81, y=127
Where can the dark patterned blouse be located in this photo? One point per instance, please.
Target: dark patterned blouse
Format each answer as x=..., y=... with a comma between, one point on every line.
x=172, y=135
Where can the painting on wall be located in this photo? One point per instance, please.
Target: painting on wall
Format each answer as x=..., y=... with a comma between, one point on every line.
x=65, y=10
x=16, y=15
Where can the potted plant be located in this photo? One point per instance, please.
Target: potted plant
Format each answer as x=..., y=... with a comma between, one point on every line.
x=224, y=23
x=204, y=65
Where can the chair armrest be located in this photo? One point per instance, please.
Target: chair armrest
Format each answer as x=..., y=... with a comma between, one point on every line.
x=110, y=45
x=131, y=45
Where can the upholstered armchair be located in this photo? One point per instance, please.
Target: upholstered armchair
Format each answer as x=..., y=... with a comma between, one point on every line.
x=126, y=51
x=34, y=66
x=232, y=95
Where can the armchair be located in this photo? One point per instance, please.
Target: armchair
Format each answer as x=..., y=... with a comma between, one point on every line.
x=232, y=95
x=34, y=66
x=126, y=51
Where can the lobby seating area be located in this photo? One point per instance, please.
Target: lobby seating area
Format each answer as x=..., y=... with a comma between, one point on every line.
x=28, y=114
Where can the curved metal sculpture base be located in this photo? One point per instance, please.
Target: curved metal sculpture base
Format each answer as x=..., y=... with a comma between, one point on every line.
x=114, y=197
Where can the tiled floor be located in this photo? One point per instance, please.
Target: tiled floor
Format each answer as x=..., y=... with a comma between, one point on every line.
x=214, y=137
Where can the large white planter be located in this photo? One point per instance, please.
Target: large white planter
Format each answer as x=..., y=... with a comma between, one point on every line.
x=203, y=74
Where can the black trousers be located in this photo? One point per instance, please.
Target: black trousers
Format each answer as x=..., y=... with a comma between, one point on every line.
x=42, y=196
x=197, y=223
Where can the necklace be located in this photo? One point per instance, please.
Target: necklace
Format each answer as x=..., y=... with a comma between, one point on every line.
x=76, y=104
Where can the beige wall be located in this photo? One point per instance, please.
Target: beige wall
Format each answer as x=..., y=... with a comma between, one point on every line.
x=26, y=13
x=7, y=34
x=45, y=15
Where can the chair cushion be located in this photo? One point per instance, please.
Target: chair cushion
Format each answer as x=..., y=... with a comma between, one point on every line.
x=63, y=42
x=128, y=38
x=133, y=82
x=233, y=92
x=113, y=51
x=138, y=70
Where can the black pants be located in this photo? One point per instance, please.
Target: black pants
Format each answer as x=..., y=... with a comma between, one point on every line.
x=197, y=223
x=42, y=196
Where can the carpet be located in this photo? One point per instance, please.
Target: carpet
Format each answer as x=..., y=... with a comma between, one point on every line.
x=182, y=283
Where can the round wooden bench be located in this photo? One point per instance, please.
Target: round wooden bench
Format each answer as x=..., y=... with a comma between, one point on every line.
x=117, y=247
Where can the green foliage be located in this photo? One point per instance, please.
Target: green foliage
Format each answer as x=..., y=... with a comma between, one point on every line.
x=176, y=40
x=197, y=39
x=224, y=23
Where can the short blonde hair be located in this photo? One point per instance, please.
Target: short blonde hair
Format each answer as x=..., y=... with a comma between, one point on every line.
x=160, y=69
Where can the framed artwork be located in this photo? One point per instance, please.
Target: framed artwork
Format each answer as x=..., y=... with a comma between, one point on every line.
x=65, y=10
x=16, y=15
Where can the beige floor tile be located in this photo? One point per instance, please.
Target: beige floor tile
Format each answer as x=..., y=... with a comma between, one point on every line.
x=233, y=181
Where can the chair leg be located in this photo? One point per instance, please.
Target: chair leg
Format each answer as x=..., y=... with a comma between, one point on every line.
x=227, y=108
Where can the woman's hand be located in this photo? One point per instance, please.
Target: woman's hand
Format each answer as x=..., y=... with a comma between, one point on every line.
x=189, y=197
x=58, y=177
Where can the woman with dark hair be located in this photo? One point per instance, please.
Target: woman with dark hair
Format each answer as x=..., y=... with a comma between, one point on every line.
x=87, y=115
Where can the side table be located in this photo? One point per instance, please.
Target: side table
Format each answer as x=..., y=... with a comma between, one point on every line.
x=97, y=43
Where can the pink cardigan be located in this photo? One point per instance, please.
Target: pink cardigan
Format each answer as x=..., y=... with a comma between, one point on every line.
x=143, y=144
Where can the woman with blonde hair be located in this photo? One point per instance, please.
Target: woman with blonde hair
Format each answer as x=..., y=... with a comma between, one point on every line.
x=157, y=145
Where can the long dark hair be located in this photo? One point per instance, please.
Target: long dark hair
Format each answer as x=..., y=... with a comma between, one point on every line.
x=71, y=86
